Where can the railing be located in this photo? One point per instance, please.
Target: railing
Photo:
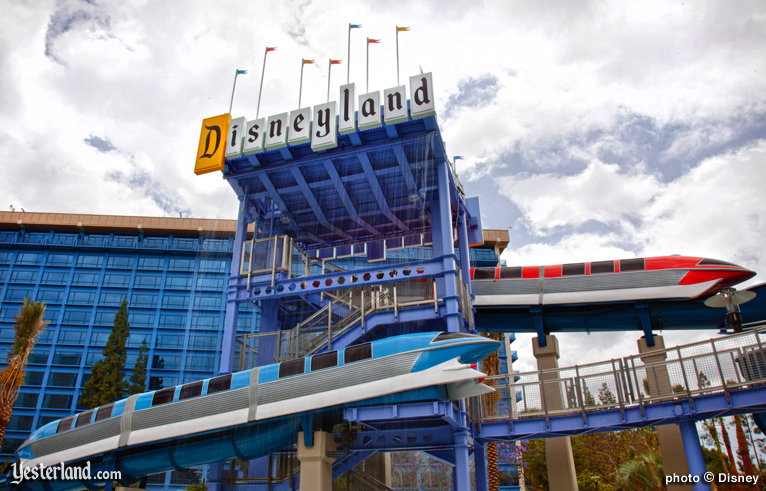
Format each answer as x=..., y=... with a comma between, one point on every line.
x=720, y=365
x=325, y=326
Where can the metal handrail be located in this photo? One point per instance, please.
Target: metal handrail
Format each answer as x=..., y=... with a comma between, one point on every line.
x=720, y=365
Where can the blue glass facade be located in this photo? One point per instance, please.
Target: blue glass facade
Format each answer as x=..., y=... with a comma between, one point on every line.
x=175, y=285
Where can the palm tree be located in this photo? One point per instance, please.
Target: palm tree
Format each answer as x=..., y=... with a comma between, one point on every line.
x=491, y=366
x=644, y=473
x=29, y=325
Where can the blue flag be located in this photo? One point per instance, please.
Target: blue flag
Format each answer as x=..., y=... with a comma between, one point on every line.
x=241, y=72
x=354, y=26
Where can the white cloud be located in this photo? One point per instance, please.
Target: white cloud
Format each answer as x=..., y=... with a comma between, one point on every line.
x=600, y=192
x=568, y=75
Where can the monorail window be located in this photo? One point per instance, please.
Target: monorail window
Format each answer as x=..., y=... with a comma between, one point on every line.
x=65, y=424
x=357, y=353
x=510, y=273
x=324, y=360
x=163, y=396
x=104, y=412
x=706, y=261
x=84, y=418
x=484, y=274
x=602, y=267
x=446, y=336
x=632, y=264
x=219, y=384
x=292, y=367
x=573, y=269
x=188, y=391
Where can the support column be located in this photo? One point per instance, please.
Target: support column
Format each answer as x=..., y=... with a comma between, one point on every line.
x=674, y=459
x=694, y=456
x=443, y=245
x=480, y=464
x=316, y=466
x=464, y=249
x=462, y=471
x=228, y=344
x=558, y=451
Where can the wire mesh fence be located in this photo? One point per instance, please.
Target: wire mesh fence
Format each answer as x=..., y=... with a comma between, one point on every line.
x=723, y=364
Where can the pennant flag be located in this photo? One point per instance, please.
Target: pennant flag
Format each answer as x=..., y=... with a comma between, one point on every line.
x=373, y=41
x=241, y=72
x=457, y=157
x=400, y=29
x=308, y=62
x=354, y=26
x=270, y=49
x=336, y=62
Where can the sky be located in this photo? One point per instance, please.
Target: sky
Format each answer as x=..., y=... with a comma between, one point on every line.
x=591, y=129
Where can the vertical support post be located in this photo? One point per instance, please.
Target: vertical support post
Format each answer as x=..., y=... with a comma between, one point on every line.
x=316, y=466
x=228, y=344
x=462, y=472
x=558, y=451
x=445, y=247
x=480, y=464
x=658, y=379
x=465, y=254
x=693, y=450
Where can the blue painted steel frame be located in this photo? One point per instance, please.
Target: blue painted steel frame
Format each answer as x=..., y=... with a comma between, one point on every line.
x=671, y=412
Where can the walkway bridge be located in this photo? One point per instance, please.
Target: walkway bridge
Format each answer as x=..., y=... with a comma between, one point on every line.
x=720, y=377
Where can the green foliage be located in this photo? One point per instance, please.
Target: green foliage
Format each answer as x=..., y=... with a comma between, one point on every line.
x=107, y=383
x=597, y=457
x=643, y=472
x=138, y=377
x=605, y=396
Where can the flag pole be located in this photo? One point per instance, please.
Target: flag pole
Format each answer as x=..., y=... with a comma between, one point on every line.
x=260, y=89
x=398, y=29
x=368, y=66
x=348, y=50
x=397, y=55
x=237, y=71
x=329, y=67
x=300, y=88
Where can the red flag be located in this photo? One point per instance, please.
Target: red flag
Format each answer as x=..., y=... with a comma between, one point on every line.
x=373, y=41
x=335, y=62
x=270, y=49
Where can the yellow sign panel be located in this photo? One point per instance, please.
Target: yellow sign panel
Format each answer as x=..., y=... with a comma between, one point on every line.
x=212, y=144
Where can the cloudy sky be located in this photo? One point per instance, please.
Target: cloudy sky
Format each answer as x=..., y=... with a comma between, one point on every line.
x=594, y=130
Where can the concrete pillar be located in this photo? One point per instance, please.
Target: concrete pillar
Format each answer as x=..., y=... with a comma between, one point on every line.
x=316, y=466
x=674, y=460
x=694, y=456
x=558, y=451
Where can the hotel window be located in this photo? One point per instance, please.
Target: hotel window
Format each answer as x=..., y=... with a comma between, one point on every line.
x=88, y=261
x=60, y=259
x=25, y=276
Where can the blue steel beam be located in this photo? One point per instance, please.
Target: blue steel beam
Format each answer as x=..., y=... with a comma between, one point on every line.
x=705, y=406
x=346, y=199
x=311, y=199
x=377, y=191
x=405, y=168
x=340, y=280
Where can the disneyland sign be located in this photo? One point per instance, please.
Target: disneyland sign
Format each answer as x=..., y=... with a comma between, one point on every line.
x=224, y=138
